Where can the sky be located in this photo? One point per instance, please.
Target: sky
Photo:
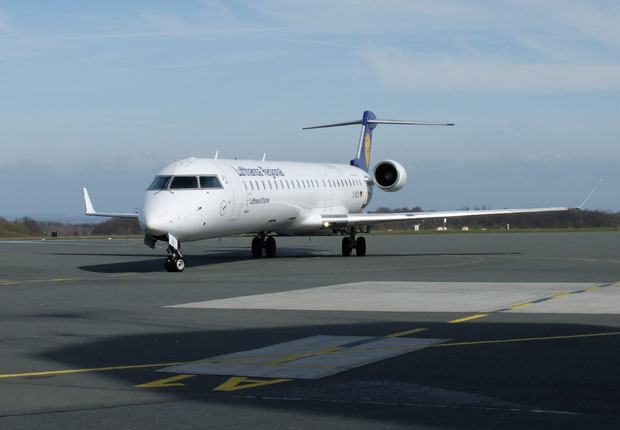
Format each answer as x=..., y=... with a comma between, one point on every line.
x=104, y=94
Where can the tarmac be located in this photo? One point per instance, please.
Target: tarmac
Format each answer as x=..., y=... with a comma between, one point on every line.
x=426, y=331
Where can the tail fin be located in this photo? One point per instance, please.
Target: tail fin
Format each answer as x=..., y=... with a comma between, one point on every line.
x=369, y=121
x=362, y=157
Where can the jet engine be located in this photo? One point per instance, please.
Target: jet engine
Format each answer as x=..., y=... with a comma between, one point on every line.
x=389, y=175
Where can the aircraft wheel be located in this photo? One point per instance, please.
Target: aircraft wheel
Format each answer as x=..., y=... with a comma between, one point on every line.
x=346, y=246
x=360, y=246
x=169, y=265
x=270, y=247
x=179, y=265
x=257, y=248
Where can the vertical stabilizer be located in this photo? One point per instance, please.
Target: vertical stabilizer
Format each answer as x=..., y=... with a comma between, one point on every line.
x=362, y=158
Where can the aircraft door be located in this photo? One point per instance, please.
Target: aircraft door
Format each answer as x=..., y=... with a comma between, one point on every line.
x=237, y=202
x=235, y=197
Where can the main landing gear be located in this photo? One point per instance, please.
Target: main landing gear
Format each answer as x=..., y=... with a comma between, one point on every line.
x=174, y=262
x=350, y=242
x=261, y=242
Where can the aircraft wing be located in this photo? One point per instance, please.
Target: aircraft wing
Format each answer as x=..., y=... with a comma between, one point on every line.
x=90, y=210
x=380, y=218
x=351, y=220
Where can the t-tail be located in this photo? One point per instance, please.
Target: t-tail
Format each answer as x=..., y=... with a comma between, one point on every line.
x=369, y=121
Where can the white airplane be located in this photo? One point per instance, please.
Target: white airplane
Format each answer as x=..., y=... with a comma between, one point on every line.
x=198, y=198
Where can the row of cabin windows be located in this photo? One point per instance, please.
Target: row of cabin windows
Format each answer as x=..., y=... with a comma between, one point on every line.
x=299, y=184
x=207, y=182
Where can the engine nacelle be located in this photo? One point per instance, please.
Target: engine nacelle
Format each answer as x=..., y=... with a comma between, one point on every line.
x=389, y=175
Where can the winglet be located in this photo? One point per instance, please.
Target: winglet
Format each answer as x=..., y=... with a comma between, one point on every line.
x=589, y=195
x=90, y=210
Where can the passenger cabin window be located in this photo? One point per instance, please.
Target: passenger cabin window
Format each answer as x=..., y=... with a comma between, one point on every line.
x=159, y=183
x=184, y=183
x=211, y=182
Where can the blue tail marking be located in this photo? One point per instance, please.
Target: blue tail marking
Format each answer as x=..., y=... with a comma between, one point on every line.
x=362, y=158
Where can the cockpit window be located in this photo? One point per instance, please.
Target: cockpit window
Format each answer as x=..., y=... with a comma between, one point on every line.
x=184, y=183
x=159, y=183
x=210, y=182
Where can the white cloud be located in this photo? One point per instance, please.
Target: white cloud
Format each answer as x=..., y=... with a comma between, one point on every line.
x=5, y=26
x=485, y=73
x=595, y=21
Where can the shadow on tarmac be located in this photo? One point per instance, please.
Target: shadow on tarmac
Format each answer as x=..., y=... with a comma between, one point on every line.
x=563, y=383
x=211, y=258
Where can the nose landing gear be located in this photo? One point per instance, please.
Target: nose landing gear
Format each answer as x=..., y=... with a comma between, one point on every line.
x=175, y=261
x=350, y=242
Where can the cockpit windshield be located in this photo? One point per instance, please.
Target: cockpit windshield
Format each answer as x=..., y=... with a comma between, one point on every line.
x=184, y=183
x=210, y=182
x=159, y=183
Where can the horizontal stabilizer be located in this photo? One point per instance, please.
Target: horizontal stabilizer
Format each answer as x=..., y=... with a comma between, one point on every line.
x=369, y=122
x=379, y=121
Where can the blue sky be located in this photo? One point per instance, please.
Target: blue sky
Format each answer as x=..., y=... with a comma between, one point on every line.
x=103, y=94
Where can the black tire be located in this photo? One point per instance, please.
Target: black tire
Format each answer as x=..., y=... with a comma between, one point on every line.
x=270, y=247
x=179, y=265
x=257, y=247
x=169, y=265
x=346, y=246
x=360, y=247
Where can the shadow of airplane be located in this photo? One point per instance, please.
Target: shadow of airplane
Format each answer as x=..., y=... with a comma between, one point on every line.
x=236, y=255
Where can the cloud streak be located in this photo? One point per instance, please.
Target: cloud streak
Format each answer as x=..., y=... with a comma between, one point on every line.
x=422, y=72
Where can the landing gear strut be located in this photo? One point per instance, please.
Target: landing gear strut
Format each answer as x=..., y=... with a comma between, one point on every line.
x=174, y=262
x=350, y=242
x=261, y=242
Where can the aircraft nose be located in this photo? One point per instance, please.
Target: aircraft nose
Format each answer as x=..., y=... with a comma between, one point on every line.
x=153, y=223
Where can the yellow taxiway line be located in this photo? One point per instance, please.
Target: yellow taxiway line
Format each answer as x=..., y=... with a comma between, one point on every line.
x=144, y=366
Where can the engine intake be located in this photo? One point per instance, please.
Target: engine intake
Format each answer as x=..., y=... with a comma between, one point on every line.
x=389, y=175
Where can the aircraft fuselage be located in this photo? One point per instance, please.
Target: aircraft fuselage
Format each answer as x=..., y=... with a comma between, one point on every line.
x=249, y=196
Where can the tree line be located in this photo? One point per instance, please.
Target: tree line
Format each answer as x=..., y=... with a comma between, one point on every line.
x=28, y=227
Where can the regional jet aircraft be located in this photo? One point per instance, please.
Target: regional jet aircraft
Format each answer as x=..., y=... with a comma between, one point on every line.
x=198, y=198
